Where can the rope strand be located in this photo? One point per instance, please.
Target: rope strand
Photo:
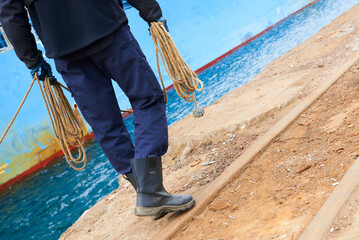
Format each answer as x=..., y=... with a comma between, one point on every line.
x=17, y=111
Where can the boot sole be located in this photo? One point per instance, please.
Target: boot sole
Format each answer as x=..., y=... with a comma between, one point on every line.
x=161, y=211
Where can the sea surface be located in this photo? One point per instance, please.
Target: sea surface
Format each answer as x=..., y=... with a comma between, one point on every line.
x=48, y=202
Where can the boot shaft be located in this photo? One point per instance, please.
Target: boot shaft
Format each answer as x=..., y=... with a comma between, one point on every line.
x=148, y=174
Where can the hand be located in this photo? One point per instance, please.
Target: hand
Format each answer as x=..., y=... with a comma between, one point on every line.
x=43, y=69
x=164, y=21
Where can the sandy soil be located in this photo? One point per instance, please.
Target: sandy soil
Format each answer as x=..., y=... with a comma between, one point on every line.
x=346, y=224
x=279, y=192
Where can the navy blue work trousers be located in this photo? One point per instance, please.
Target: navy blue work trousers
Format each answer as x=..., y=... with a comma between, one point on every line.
x=90, y=82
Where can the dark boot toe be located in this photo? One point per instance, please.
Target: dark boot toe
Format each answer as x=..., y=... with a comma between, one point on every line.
x=177, y=201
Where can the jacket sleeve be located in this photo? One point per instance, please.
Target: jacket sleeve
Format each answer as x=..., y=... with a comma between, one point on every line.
x=15, y=22
x=149, y=10
x=120, y=3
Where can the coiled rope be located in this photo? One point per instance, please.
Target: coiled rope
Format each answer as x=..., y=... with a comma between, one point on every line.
x=64, y=122
x=66, y=125
x=185, y=80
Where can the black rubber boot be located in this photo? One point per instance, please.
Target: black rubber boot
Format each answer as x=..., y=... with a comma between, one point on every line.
x=152, y=198
x=129, y=177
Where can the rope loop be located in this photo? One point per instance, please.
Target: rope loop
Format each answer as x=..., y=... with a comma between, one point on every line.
x=66, y=125
x=185, y=80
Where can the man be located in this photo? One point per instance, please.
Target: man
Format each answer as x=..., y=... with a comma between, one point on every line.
x=91, y=44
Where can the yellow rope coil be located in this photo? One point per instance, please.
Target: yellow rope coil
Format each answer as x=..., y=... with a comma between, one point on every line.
x=66, y=126
x=185, y=80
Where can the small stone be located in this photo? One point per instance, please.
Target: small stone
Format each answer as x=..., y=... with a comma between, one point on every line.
x=339, y=150
x=208, y=163
x=234, y=207
x=220, y=205
x=302, y=169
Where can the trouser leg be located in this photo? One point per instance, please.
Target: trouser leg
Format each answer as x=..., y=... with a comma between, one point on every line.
x=94, y=94
x=126, y=64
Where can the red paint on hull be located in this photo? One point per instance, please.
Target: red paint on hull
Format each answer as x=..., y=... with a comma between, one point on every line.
x=210, y=64
x=37, y=167
x=124, y=115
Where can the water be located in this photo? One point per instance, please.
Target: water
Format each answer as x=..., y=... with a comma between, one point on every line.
x=45, y=204
x=48, y=202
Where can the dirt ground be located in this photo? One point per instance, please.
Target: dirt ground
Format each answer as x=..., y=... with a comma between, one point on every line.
x=279, y=193
x=346, y=224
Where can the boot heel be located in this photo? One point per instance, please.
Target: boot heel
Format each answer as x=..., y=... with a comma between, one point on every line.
x=157, y=213
x=147, y=211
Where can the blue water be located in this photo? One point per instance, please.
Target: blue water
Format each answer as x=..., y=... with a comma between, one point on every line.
x=46, y=203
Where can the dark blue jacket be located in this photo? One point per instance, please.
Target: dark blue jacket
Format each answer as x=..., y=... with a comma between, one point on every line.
x=66, y=27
